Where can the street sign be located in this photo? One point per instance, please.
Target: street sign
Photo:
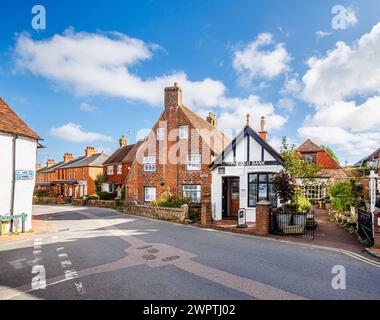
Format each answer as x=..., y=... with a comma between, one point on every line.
x=22, y=216
x=24, y=174
x=242, y=219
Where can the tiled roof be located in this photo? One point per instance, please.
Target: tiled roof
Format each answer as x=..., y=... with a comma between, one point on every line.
x=51, y=168
x=309, y=146
x=200, y=123
x=336, y=174
x=372, y=156
x=10, y=122
x=119, y=155
x=95, y=160
x=132, y=153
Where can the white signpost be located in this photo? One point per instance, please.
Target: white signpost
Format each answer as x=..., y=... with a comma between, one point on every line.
x=372, y=195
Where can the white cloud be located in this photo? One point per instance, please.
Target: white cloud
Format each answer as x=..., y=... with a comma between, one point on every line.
x=74, y=133
x=99, y=64
x=322, y=34
x=345, y=71
x=349, y=115
x=286, y=104
x=87, y=107
x=252, y=61
x=234, y=117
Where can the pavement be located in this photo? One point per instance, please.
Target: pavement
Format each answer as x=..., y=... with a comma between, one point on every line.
x=94, y=253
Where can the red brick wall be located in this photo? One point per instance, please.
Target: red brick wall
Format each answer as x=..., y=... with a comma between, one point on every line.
x=170, y=177
x=117, y=178
x=325, y=161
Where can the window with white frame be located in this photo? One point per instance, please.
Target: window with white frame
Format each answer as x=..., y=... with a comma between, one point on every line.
x=161, y=134
x=193, y=192
x=149, y=164
x=149, y=194
x=183, y=132
x=110, y=170
x=194, y=162
x=119, y=169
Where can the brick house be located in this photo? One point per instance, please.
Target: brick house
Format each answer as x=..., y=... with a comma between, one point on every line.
x=117, y=166
x=75, y=177
x=175, y=157
x=330, y=171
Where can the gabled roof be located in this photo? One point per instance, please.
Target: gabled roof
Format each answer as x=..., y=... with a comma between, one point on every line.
x=95, y=160
x=10, y=122
x=119, y=155
x=51, y=168
x=309, y=146
x=248, y=131
x=131, y=156
x=372, y=156
x=201, y=124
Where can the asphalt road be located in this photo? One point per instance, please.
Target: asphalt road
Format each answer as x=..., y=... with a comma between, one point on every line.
x=101, y=254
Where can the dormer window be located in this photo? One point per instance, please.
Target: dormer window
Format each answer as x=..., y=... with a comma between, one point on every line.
x=309, y=157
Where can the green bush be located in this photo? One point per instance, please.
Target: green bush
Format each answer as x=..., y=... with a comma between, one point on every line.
x=171, y=202
x=106, y=195
x=341, y=195
x=93, y=197
x=303, y=204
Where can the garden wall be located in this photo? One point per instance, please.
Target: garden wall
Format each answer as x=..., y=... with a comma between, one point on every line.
x=161, y=213
x=44, y=200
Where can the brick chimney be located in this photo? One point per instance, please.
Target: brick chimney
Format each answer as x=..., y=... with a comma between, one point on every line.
x=89, y=151
x=263, y=133
x=67, y=157
x=173, y=97
x=38, y=166
x=211, y=119
x=50, y=163
x=123, y=141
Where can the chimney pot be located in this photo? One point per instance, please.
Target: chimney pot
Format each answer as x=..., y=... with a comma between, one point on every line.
x=211, y=119
x=50, y=162
x=123, y=141
x=263, y=133
x=67, y=157
x=89, y=151
x=248, y=119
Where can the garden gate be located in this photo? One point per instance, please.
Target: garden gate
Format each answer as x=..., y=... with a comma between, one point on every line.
x=365, y=226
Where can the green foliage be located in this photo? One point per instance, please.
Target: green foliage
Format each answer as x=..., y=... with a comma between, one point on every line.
x=293, y=163
x=106, y=195
x=331, y=153
x=93, y=197
x=171, y=202
x=100, y=179
x=284, y=186
x=122, y=193
x=341, y=195
x=365, y=171
x=303, y=204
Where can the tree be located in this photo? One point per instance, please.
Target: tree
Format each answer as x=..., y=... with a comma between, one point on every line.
x=100, y=179
x=293, y=163
x=331, y=153
x=284, y=186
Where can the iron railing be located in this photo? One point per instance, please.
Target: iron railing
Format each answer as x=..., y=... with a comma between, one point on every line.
x=365, y=226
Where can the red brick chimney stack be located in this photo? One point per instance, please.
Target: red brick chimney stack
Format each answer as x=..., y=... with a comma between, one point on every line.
x=50, y=163
x=173, y=97
x=67, y=157
x=263, y=133
x=38, y=166
x=89, y=151
x=211, y=119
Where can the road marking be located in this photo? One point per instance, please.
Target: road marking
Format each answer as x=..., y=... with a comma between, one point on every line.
x=361, y=258
x=39, y=280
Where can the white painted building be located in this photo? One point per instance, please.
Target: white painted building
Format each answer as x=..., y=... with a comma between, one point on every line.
x=18, y=147
x=242, y=175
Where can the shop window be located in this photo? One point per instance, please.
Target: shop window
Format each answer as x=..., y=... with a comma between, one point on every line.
x=260, y=187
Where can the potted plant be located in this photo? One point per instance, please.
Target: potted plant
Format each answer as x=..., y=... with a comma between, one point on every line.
x=284, y=186
x=304, y=206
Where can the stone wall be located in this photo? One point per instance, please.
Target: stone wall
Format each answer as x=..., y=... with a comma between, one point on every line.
x=161, y=213
x=44, y=200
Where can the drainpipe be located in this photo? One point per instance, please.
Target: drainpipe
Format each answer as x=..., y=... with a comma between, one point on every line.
x=13, y=179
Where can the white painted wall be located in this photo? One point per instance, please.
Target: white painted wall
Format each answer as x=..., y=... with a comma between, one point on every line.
x=242, y=172
x=25, y=160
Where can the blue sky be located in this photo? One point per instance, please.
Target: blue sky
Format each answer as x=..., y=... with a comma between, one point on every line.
x=284, y=60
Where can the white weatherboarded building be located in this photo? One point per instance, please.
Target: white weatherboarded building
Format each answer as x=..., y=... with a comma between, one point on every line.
x=242, y=175
x=18, y=148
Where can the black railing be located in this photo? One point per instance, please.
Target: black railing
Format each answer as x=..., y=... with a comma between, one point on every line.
x=292, y=223
x=365, y=226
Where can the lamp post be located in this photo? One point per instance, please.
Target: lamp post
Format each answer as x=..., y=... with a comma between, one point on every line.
x=372, y=196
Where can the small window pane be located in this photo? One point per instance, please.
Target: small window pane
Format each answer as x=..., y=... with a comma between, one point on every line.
x=263, y=178
x=252, y=196
x=253, y=178
x=183, y=132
